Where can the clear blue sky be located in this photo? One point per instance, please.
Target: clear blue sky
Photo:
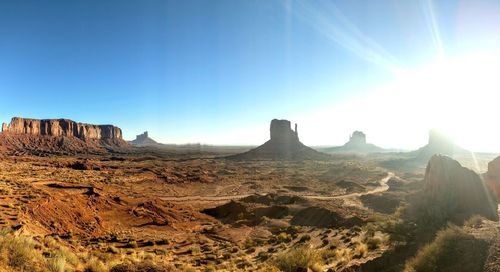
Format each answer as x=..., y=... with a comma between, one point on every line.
x=212, y=71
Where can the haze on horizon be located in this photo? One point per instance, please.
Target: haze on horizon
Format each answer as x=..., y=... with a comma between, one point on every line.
x=217, y=72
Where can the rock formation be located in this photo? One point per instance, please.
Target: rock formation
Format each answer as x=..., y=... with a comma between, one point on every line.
x=357, y=138
x=284, y=144
x=62, y=127
x=493, y=177
x=281, y=131
x=143, y=140
x=456, y=191
x=356, y=144
x=438, y=143
x=35, y=136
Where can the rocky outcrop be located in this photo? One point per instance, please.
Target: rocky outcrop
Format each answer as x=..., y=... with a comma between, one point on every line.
x=457, y=191
x=283, y=145
x=493, y=177
x=58, y=136
x=143, y=140
x=356, y=144
x=62, y=127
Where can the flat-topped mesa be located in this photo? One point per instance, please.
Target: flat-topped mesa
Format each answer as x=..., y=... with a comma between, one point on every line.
x=281, y=131
x=62, y=127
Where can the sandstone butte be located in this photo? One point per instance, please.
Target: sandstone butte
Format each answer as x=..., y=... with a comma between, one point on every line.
x=62, y=127
x=59, y=136
x=283, y=144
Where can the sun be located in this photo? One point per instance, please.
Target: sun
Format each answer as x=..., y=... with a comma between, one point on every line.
x=460, y=96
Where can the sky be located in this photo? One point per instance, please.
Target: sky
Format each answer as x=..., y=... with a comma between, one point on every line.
x=217, y=72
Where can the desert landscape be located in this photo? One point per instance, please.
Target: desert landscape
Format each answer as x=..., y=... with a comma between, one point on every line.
x=244, y=135
x=77, y=197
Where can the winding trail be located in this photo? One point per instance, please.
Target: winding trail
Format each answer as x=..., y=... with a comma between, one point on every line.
x=381, y=188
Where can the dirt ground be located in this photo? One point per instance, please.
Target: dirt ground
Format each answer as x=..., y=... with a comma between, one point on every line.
x=202, y=210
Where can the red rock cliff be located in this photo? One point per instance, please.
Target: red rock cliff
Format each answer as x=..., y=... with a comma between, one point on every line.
x=62, y=127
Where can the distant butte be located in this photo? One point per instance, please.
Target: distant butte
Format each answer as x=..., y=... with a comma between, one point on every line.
x=438, y=143
x=283, y=145
x=356, y=144
x=143, y=140
x=35, y=136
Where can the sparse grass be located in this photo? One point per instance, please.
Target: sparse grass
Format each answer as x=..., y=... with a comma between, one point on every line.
x=452, y=250
x=95, y=265
x=19, y=252
x=305, y=238
x=374, y=242
x=360, y=250
x=56, y=264
x=298, y=259
x=142, y=266
x=283, y=237
x=474, y=221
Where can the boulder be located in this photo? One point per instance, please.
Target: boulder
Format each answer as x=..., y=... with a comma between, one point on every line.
x=457, y=191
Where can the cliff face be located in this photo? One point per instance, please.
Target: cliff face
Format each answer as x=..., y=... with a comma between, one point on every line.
x=62, y=127
x=59, y=136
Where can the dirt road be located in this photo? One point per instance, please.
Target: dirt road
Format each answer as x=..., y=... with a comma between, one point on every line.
x=381, y=188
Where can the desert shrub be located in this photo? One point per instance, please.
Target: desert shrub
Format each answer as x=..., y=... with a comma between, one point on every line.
x=283, y=237
x=56, y=264
x=474, y=221
x=374, y=242
x=342, y=255
x=305, y=238
x=95, y=265
x=452, y=250
x=298, y=259
x=140, y=267
x=19, y=252
x=360, y=250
